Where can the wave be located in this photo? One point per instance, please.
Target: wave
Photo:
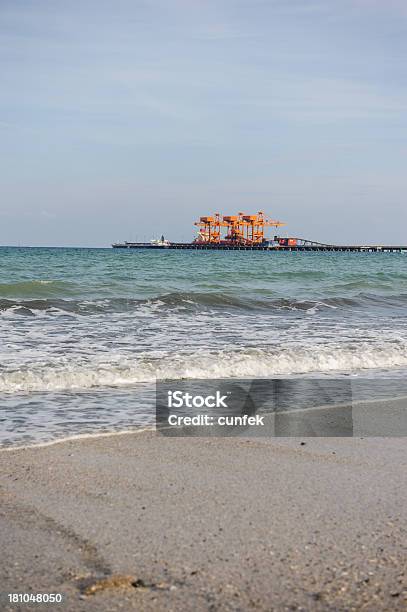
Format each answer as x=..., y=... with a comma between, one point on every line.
x=192, y=301
x=249, y=362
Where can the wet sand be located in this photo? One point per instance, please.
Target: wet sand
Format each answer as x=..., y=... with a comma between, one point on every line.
x=146, y=522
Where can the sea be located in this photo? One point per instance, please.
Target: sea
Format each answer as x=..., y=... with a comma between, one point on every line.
x=85, y=333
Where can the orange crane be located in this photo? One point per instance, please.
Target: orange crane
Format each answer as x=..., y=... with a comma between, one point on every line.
x=255, y=225
x=235, y=231
x=241, y=228
x=209, y=229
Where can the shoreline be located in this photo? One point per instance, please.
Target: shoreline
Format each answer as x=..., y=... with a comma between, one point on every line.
x=143, y=521
x=376, y=418
x=84, y=436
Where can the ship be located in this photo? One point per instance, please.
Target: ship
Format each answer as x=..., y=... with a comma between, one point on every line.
x=157, y=242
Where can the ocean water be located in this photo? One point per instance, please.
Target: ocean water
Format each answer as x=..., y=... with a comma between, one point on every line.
x=84, y=333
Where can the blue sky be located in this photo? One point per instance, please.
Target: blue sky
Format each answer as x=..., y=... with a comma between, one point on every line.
x=126, y=119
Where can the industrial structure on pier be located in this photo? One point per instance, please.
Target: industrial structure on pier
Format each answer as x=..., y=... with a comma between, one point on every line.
x=243, y=232
x=234, y=230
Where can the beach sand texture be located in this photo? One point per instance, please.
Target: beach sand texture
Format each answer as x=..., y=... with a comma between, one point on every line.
x=145, y=522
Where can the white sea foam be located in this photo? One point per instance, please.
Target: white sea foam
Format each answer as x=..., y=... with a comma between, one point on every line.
x=80, y=437
x=284, y=361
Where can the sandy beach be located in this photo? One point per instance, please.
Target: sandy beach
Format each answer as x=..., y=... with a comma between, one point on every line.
x=145, y=522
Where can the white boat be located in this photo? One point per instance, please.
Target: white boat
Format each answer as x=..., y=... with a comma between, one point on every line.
x=160, y=242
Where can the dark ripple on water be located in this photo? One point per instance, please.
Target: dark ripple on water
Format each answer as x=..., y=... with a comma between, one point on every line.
x=192, y=301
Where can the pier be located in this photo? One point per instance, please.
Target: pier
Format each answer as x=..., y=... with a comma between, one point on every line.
x=244, y=232
x=304, y=248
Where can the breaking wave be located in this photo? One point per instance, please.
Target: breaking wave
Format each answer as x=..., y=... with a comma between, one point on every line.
x=249, y=362
x=193, y=301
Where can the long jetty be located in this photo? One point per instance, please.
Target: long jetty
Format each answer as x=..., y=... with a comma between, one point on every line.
x=312, y=247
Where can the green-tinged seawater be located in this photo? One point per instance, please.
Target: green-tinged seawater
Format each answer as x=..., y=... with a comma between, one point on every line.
x=84, y=332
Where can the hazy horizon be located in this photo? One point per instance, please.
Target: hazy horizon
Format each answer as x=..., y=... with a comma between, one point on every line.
x=128, y=120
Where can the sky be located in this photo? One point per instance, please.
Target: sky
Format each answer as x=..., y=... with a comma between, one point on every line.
x=128, y=119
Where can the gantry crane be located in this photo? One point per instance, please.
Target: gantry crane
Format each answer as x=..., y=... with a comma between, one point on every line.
x=210, y=229
x=241, y=228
